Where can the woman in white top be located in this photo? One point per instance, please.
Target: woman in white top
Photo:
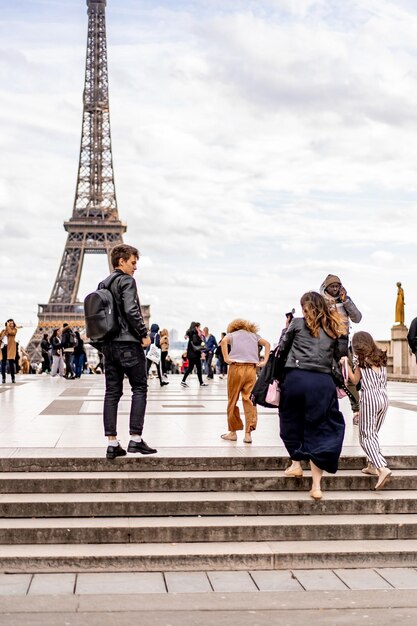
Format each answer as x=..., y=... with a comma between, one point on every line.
x=243, y=358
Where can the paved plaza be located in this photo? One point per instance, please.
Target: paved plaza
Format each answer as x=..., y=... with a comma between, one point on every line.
x=42, y=417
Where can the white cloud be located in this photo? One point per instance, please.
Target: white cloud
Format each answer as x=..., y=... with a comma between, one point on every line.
x=257, y=147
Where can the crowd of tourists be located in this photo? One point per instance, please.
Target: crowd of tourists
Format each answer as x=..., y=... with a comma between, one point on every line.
x=313, y=365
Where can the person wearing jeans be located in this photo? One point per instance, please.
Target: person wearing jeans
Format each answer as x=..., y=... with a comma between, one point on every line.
x=211, y=347
x=124, y=354
x=79, y=356
x=8, y=349
x=122, y=358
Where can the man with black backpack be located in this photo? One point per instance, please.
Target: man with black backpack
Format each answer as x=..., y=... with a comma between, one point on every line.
x=123, y=345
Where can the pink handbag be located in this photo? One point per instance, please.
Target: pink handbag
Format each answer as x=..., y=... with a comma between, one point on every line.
x=345, y=373
x=273, y=393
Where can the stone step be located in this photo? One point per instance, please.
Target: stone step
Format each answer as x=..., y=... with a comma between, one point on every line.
x=131, y=482
x=206, y=503
x=234, y=460
x=260, y=555
x=206, y=529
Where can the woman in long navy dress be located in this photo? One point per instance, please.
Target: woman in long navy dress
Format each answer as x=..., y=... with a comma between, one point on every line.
x=312, y=427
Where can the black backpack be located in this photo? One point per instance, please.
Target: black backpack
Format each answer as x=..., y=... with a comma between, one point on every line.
x=101, y=314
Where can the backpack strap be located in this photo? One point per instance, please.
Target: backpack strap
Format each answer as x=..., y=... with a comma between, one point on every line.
x=106, y=284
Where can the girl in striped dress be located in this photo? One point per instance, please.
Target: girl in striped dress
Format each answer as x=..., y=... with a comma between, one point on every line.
x=372, y=372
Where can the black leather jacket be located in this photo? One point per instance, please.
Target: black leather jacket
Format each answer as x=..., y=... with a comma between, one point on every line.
x=301, y=350
x=194, y=339
x=125, y=293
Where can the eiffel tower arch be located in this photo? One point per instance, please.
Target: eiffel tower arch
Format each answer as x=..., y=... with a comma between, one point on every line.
x=94, y=227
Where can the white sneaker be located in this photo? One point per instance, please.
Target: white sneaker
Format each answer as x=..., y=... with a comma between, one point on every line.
x=183, y=384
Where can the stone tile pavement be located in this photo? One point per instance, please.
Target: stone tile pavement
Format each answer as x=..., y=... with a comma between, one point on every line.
x=132, y=583
x=41, y=416
x=44, y=417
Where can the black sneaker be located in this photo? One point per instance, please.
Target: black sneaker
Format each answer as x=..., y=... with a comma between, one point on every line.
x=140, y=446
x=114, y=451
x=164, y=382
x=204, y=384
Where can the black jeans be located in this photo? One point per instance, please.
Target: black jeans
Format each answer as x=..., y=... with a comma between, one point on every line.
x=124, y=357
x=191, y=363
x=3, y=366
x=209, y=359
x=163, y=361
x=69, y=360
x=46, y=363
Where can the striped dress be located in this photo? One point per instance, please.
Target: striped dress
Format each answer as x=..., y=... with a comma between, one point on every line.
x=373, y=409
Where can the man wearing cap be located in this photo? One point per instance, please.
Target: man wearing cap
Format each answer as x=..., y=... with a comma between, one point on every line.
x=336, y=297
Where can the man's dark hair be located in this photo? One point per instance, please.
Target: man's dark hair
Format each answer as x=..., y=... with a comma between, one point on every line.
x=122, y=251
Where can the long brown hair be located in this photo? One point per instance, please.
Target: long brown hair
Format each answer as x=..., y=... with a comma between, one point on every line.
x=318, y=315
x=367, y=351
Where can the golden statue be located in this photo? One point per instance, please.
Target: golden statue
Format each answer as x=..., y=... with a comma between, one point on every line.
x=399, y=305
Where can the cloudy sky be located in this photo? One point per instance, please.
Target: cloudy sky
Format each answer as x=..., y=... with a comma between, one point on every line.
x=258, y=146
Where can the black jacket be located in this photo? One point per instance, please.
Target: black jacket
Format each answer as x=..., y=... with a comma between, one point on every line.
x=45, y=347
x=412, y=336
x=303, y=351
x=65, y=337
x=56, y=346
x=125, y=294
x=195, y=340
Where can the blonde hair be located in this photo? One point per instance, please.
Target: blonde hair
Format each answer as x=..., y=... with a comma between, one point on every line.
x=239, y=324
x=163, y=332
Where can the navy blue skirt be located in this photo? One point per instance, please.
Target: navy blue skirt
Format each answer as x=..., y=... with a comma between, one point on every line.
x=311, y=425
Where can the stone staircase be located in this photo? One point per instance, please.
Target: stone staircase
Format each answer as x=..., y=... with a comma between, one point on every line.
x=200, y=513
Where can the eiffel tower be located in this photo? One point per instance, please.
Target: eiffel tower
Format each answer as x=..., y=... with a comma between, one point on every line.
x=94, y=227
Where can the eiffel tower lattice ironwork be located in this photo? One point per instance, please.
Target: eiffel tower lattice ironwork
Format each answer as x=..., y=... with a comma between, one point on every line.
x=94, y=227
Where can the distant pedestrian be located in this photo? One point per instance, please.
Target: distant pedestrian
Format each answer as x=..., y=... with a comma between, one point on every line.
x=155, y=338
x=194, y=349
x=8, y=349
x=24, y=356
x=164, y=341
x=68, y=341
x=211, y=346
x=372, y=372
x=311, y=425
x=221, y=362
x=57, y=357
x=243, y=358
x=45, y=350
x=79, y=355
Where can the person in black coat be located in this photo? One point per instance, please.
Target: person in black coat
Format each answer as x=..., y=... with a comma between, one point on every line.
x=195, y=347
x=412, y=337
x=45, y=348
